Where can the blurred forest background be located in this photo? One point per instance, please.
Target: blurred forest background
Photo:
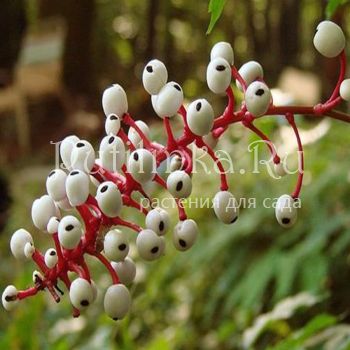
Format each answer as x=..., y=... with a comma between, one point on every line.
x=251, y=285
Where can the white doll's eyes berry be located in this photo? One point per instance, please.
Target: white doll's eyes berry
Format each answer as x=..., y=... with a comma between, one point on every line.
x=81, y=294
x=77, y=187
x=56, y=184
x=66, y=147
x=134, y=136
x=109, y=199
x=250, y=72
x=43, y=209
x=222, y=50
x=200, y=117
x=258, y=98
x=179, y=184
x=51, y=258
x=185, y=234
x=169, y=100
x=218, y=75
x=69, y=232
x=149, y=245
x=344, y=90
x=286, y=211
x=116, y=245
x=83, y=156
x=114, y=101
x=175, y=163
x=18, y=241
x=112, y=124
x=329, y=39
x=226, y=207
x=154, y=77
x=52, y=225
x=125, y=269
x=158, y=220
x=112, y=153
x=141, y=165
x=9, y=298
x=117, y=301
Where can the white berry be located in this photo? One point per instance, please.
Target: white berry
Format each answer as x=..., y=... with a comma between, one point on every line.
x=154, y=76
x=43, y=209
x=66, y=147
x=141, y=165
x=218, y=75
x=29, y=250
x=77, y=187
x=185, y=234
x=9, y=298
x=179, y=184
x=18, y=241
x=258, y=98
x=112, y=153
x=51, y=258
x=345, y=90
x=223, y=50
x=169, y=100
x=114, y=101
x=69, y=232
x=81, y=294
x=112, y=124
x=134, y=136
x=286, y=211
x=226, y=207
x=117, y=301
x=158, y=220
x=109, y=199
x=56, y=184
x=126, y=270
x=329, y=39
x=116, y=245
x=83, y=156
x=52, y=226
x=200, y=117
x=149, y=245
x=250, y=72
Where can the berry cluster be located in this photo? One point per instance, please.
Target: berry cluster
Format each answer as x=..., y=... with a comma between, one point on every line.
x=117, y=175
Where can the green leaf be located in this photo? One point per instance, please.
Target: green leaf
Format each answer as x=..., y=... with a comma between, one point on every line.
x=215, y=9
x=332, y=6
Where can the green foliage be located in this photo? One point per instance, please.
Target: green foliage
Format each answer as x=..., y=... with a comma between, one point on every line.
x=215, y=9
x=333, y=5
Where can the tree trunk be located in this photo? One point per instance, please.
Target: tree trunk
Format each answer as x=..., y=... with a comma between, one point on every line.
x=78, y=69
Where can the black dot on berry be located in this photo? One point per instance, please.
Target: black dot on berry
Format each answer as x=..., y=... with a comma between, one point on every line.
x=104, y=189
x=179, y=186
x=234, y=220
x=122, y=246
x=220, y=68
x=259, y=92
x=80, y=144
x=69, y=227
x=115, y=318
x=74, y=173
x=161, y=226
x=52, y=253
x=177, y=87
x=84, y=302
x=136, y=156
x=154, y=250
x=285, y=221
x=149, y=69
x=8, y=298
x=111, y=139
x=52, y=173
x=198, y=106
x=182, y=243
x=113, y=117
